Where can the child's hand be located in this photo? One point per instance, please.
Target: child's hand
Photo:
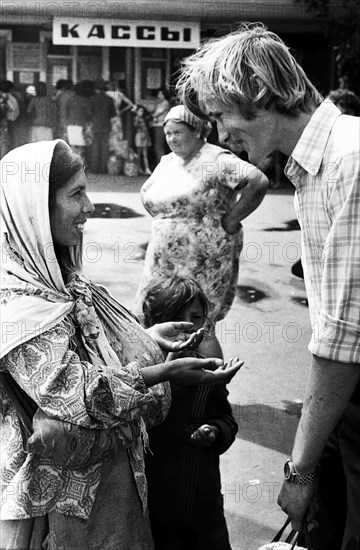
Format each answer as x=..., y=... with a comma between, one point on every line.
x=205, y=435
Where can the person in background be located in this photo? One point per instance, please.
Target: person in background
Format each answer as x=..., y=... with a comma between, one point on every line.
x=259, y=96
x=64, y=92
x=158, y=116
x=347, y=101
x=142, y=138
x=22, y=126
x=198, y=195
x=88, y=90
x=4, y=123
x=12, y=98
x=78, y=117
x=183, y=473
x=16, y=103
x=42, y=109
x=118, y=142
x=102, y=111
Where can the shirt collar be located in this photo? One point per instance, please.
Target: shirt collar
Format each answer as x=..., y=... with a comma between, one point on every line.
x=309, y=150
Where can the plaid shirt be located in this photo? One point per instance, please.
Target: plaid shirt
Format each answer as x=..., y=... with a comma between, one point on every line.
x=325, y=169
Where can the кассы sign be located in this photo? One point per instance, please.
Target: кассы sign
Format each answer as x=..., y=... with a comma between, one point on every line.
x=144, y=34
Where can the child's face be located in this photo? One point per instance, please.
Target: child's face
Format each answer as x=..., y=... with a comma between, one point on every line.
x=193, y=313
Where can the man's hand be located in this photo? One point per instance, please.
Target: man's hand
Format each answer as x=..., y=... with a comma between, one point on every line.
x=189, y=370
x=176, y=336
x=205, y=435
x=295, y=499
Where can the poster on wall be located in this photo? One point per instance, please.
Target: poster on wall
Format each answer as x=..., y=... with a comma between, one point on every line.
x=153, y=78
x=59, y=72
x=25, y=56
x=26, y=77
x=89, y=67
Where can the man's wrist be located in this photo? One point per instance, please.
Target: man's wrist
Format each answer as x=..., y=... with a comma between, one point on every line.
x=294, y=475
x=303, y=462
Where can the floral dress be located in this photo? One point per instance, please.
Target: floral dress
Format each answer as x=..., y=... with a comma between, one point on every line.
x=187, y=202
x=142, y=136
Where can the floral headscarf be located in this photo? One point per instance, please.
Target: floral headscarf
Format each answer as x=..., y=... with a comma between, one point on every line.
x=33, y=294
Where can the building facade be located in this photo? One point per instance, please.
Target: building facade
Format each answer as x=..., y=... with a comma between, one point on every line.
x=140, y=44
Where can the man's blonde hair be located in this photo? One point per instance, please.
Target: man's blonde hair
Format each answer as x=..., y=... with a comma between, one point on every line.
x=252, y=68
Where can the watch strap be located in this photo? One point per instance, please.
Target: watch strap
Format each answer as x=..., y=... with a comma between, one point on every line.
x=301, y=479
x=306, y=479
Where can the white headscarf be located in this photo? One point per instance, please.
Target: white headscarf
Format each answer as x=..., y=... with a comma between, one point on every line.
x=180, y=114
x=33, y=294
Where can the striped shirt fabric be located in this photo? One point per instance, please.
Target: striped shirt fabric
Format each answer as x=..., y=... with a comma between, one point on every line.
x=325, y=170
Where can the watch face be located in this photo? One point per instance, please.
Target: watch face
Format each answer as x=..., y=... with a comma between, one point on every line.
x=287, y=469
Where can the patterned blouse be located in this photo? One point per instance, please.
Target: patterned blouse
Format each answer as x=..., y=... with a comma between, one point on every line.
x=92, y=396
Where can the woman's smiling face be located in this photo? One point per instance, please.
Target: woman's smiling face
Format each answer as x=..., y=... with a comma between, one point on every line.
x=70, y=211
x=181, y=139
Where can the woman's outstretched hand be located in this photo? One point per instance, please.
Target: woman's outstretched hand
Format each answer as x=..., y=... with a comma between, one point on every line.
x=189, y=370
x=176, y=336
x=192, y=371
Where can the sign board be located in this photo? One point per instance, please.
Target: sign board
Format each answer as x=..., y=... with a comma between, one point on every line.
x=140, y=34
x=25, y=56
x=26, y=77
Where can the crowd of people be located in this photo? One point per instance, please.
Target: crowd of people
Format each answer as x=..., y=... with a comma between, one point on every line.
x=86, y=387
x=89, y=116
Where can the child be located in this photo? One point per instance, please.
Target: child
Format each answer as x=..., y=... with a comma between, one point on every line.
x=185, y=502
x=142, y=138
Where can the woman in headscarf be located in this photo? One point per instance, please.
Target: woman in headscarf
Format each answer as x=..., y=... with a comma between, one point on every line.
x=162, y=107
x=42, y=110
x=198, y=195
x=76, y=473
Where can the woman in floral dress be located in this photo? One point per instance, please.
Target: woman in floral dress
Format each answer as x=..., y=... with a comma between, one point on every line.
x=198, y=195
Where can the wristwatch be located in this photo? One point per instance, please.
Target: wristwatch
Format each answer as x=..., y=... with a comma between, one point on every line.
x=293, y=476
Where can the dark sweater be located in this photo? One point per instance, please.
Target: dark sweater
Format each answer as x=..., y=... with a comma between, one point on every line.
x=103, y=110
x=185, y=501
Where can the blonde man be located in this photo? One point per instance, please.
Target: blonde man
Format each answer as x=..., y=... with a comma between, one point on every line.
x=262, y=101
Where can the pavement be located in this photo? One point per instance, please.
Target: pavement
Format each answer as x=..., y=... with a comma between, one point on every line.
x=268, y=327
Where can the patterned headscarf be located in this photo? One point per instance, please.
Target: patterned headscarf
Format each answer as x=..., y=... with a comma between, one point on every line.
x=180, y=114
x=33, y=295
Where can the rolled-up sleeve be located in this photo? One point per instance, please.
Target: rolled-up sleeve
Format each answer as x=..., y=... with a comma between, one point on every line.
x=336, y=328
